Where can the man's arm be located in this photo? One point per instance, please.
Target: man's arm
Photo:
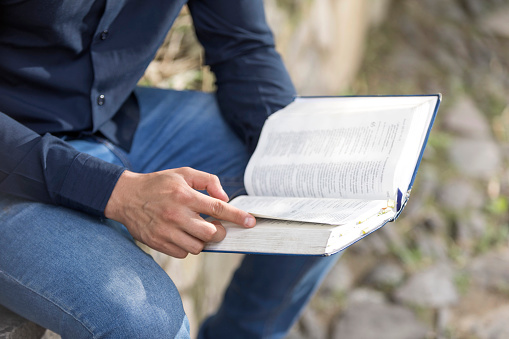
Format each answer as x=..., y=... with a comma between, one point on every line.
x=252, y=81
x=160, y=209
x=46, y=169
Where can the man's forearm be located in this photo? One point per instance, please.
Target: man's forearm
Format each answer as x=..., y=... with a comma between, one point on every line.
x=46, y=169
x=260, y=87
x=252, y=81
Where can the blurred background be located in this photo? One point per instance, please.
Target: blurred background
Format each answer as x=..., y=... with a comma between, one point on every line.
x=442, y=270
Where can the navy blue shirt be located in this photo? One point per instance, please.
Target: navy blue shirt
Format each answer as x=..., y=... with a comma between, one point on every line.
x=69, y=67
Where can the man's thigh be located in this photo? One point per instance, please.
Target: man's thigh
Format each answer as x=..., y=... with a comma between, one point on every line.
x=186, y=128
x=81, y=276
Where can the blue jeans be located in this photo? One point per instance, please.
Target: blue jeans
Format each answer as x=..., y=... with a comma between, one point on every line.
x=84, y=277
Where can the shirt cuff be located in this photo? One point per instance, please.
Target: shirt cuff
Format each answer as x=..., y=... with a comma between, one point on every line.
x=88, y=184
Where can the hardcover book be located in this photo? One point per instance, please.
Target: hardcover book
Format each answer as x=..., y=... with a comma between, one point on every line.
x=327, y=171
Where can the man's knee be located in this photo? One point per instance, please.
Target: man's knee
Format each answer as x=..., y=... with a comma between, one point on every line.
x=133, y=308
x=148, y=321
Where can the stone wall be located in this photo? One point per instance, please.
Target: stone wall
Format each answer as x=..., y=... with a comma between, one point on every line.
x=322, y=42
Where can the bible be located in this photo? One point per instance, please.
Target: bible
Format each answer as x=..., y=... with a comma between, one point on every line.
x=327, y=171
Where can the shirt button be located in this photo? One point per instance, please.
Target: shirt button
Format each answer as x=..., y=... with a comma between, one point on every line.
x=104, y=34
x=100, y=100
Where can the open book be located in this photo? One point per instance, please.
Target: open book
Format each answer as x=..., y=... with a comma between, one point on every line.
x=327, y=171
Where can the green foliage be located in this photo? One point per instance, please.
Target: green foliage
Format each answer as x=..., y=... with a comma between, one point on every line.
x=145, y=82
x=462, y=282
x=494, y=236
x=439, y=140
x=498, y=206
x=410, y=256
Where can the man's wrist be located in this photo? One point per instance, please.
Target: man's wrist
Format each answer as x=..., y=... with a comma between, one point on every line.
x=113, y=209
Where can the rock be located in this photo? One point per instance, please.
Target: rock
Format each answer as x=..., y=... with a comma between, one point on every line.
x=460, y=195
x=12, y=326
x=434, y=222
x=431, y=246
x=497, y=22
x=327, y=31
x=491, y=271
x=433, y=288
x=469, y=228
x=183, y=272
x=373, y=243
x=427, y=180
x=393, y=238
x=385, y=275
x=474, y=7
x=366, y=295
x=445, y=9
x=449, y=61
x=295, y=334
x=479, y=159
x=465, y=119
x=369, y=320
x=50, y=335
x=405, y=61
x=312, y=326
x=378, y=11
x=380, y=242
x=339, y=279
x=492, y=325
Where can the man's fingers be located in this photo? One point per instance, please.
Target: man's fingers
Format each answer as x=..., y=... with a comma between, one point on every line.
x=185, y=242
x=220, y=232
x=193, y=239
x=204, y=181
x=172, y=250
x=215, y=205
x=205, y=231
x=221, y=210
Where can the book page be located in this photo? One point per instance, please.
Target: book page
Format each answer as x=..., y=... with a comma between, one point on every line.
x=348, y=155
x=275, y=236
x=317, y=210
x=413, y=146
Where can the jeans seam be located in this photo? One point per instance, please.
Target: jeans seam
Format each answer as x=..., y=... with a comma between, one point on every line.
x=47, y=299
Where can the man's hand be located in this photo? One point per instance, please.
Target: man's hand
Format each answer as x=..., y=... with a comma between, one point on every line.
x=162, y=209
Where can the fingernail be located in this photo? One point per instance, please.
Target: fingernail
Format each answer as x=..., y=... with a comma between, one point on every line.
x=250, y=221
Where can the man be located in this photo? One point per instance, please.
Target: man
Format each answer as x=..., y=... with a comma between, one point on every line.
x=89, y=162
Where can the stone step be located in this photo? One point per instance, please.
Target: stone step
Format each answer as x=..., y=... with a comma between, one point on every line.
x=12, y=326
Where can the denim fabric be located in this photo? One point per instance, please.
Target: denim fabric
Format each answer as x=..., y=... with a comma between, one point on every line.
x=84, y=277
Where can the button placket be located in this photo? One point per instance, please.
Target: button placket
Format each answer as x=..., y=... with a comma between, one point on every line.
x=101, y=99
x=104, y=35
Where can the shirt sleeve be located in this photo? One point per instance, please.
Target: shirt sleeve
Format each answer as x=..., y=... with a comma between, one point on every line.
x=252, y=81
x=48, y=170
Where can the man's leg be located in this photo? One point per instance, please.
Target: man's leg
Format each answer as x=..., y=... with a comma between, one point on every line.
x=266, y=296
x=185, y=128
x=81, y=276
x=267, y=293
